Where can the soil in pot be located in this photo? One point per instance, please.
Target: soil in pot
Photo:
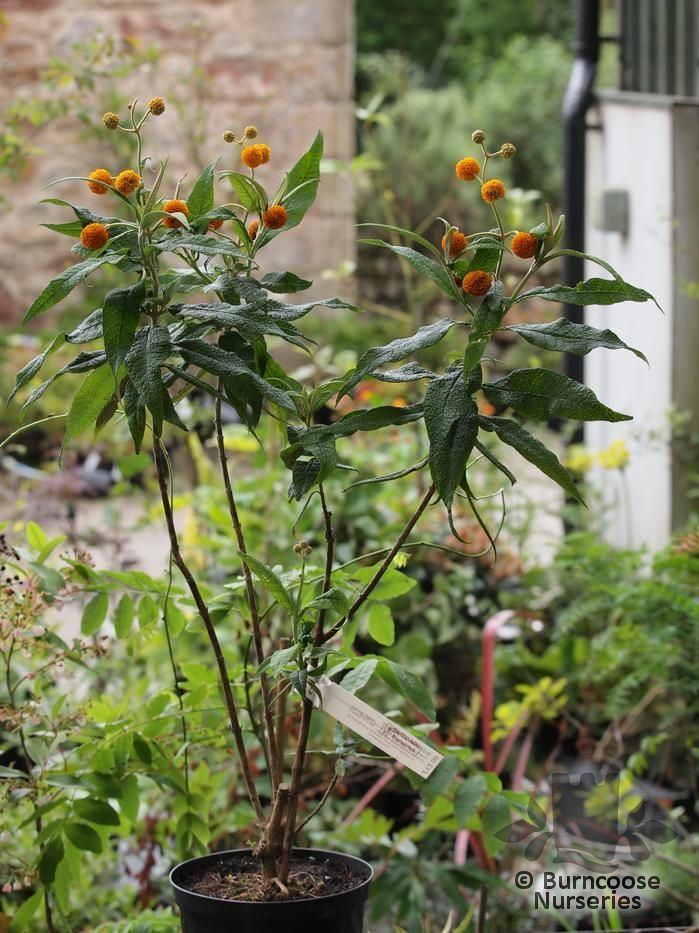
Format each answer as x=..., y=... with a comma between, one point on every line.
x=236, y=876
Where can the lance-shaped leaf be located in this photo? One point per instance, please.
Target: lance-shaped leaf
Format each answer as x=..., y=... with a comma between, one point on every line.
x=566, y=337
x=219, y=362
x=150, y=349
x=543, y=393
x=201, y=199
x=451, y=419
x=121, y=313
x=270, y=581
x=197, y=243
x=490, y=313
x=63, y=285
x=246, y=319
x=135, y=412
x=284, y=283
x=300, y=188
x=88, y=402
x=250, y=194
x=430, y=269
x=83, y=363
x=28, y=371
x=514, y=435
x=375, y=357
x=590, y=292
x=411, y=372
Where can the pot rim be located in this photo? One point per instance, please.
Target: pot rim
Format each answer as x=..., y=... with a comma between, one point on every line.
x=274, y=904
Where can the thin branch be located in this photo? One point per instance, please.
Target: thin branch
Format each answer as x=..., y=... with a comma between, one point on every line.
x=202, y=608
x=249, y=591
x=319, y=806
x=296, y=774
x=329, y=554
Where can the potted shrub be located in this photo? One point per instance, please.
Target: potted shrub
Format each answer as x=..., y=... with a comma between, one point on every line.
x=150, y=347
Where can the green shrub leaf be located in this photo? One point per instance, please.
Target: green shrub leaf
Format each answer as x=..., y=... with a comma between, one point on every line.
x=590, y=292
x=271, y=582
x=84, y=837
x=514, y=435
x=94, y=614
x=428, y=268
x=88, y=402
x=566, y=337
x=451, y=419
x=396, y=350
x=96, y=811
x=121, y=313
x=543, y=393
x=201, y=200
x=63, y=284
x=468, y=797
x=381, y=625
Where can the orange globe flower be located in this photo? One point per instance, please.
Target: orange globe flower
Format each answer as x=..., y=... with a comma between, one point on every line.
x=127, y=182
x=493, y=190
x=253, y=228
x=274, y=217
x=156, y=105
x=252, y=156
x=524, y=245
x=477, y=282
x=174, y=207
x=265, y=152
x=214, y=224
x=94, y=236
x=99, y=175
x=467, y=169
x=459, y=242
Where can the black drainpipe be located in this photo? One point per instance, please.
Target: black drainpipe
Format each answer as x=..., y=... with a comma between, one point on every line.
x=576, y=103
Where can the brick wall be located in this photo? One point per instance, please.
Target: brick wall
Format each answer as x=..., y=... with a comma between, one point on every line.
x=285, y=65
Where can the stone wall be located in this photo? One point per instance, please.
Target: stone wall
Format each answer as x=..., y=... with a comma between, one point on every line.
x=285, y=65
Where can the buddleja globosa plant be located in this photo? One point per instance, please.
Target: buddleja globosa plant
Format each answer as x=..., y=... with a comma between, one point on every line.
x=149, y=348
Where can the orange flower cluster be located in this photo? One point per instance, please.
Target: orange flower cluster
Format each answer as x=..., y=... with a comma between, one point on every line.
x=274, y=217
x=156, y=106
x=467, y=169
x=253, y=228
x=174, y=207
x=257, y=154
x=94, y=236
x=127, y=182
x=477, y=282
x=524, y=245
x=214, y=224
x=459, y=242
x=492, y=190
x=102, y=178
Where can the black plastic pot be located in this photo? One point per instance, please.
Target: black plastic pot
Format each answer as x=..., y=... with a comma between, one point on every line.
x=335, y=913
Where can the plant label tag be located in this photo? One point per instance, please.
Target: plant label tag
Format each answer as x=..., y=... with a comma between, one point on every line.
x=374, y=727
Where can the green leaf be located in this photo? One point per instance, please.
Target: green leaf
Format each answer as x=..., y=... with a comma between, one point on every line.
x=300, y=187
x=277, y=661
x=27, y=372
x=201, y=200
x=219, y=362
x=467, y=800
x=381, y=625
x=359, y=676
x=199, y=243
x=150, y=348
x=392, y=584
x=142, y=749
x=63, y=284
x=514, y=435
x=135, y=414
x=250, y=194
x=50, y=857
x=83, y=362
x=270, y=581
x=84, y=837
x=147, y=611
x=566, y=337
x=121, y=313
x=88, y=402
x=430, y=269
x=284, y=283
x=408, y=234
x=333, y=599
x=123, y=616
x=25, y=913
x=96, y=811
x=490, y=313
x=94, y=614
x=408, y=685
x=543, y=393
x=392, y=352
x=496, y=817
x=440, y=779
x=485, y=258
x=589, y=292
x=451, y=419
